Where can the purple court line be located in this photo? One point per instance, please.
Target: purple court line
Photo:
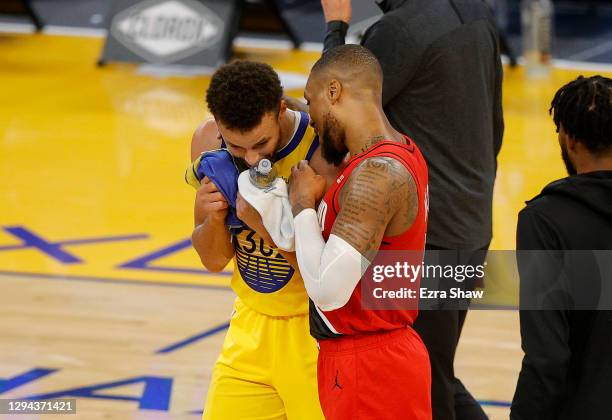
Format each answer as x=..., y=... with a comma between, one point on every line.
x=186, y=342
x=144, y=262
x=85, y=241
x=140, y=282
x=103, y=239
x=178, y=270
x=55, y=250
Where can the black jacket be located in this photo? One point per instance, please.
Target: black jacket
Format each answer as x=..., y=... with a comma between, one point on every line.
x=442, y=87
x=567, y=367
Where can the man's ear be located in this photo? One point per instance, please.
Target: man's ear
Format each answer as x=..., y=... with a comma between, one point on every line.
x=334, y=91
x=282, y=108
x=572, y=143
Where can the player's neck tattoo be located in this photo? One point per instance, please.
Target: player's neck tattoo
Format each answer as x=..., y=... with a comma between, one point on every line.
x=371, y=142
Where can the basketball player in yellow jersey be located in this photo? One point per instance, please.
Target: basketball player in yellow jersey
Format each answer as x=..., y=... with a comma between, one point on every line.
x=267, y=367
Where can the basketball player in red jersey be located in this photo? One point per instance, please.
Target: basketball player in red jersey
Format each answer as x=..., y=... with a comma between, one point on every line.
x=372, y=364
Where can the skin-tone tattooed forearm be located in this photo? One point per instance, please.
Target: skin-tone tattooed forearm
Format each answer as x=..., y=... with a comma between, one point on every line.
x=376, y=191
x=301, y=205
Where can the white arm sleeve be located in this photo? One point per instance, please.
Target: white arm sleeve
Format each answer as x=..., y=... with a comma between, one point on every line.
x=330, y=270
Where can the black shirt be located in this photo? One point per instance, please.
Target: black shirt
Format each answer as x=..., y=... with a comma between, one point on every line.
x=442, y=87
x=567, y=367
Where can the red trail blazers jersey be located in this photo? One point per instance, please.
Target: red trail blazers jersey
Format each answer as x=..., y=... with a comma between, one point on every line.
x=352, y=318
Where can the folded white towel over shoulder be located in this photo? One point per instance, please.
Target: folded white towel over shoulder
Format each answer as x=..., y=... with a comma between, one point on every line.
x=274, y=207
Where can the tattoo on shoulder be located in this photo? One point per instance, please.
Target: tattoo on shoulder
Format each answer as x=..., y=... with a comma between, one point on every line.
x=374, y=193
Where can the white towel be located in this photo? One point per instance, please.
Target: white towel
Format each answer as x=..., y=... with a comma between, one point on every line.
x=274, y=207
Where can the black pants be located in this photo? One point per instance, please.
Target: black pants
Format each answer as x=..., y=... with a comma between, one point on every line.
x=440, y=330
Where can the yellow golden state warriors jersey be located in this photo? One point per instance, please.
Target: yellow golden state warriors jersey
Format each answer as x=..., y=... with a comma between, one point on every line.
x=262, y=278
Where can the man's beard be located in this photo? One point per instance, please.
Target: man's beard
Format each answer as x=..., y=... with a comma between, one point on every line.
x=242, y=165
x=333, y=141
x=569, y=166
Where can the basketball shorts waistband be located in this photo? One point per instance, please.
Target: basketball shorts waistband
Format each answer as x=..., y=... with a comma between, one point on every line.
x=364, y=341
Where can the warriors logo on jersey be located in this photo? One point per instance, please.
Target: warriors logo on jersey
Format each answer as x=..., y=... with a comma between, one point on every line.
x=261, y=267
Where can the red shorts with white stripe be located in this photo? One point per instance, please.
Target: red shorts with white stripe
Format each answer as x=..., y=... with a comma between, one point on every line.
x=375, y=376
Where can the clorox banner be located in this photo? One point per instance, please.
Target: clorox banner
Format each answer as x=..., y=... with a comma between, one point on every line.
x=186, y=32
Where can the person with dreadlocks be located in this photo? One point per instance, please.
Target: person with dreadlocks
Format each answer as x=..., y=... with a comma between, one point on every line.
x=567, y=366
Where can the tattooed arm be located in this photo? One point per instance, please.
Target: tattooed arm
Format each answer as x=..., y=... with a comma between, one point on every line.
x=379, y=199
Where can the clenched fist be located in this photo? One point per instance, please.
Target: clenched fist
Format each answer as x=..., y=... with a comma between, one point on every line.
x=306, y=187
x=209, y=203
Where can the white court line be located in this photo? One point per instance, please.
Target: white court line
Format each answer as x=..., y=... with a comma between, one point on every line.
x=565, y=64
x=71, y=31
x=53, y=30
x=173, y=70
x=275, y=44
x=20, y=28
x=582, y=65
x=289, y=80
x=592, y=52
x=241, y=41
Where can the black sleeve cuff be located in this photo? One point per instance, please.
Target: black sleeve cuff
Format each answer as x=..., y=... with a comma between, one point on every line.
x=337, y=26
x=335, y=34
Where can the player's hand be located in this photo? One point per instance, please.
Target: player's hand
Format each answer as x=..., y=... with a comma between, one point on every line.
x=306, y=187
x=209, y=203
x=249, y=215
x=337, y=10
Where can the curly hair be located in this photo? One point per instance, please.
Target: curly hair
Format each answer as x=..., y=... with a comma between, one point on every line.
x=584, y=108
x=241, y=92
